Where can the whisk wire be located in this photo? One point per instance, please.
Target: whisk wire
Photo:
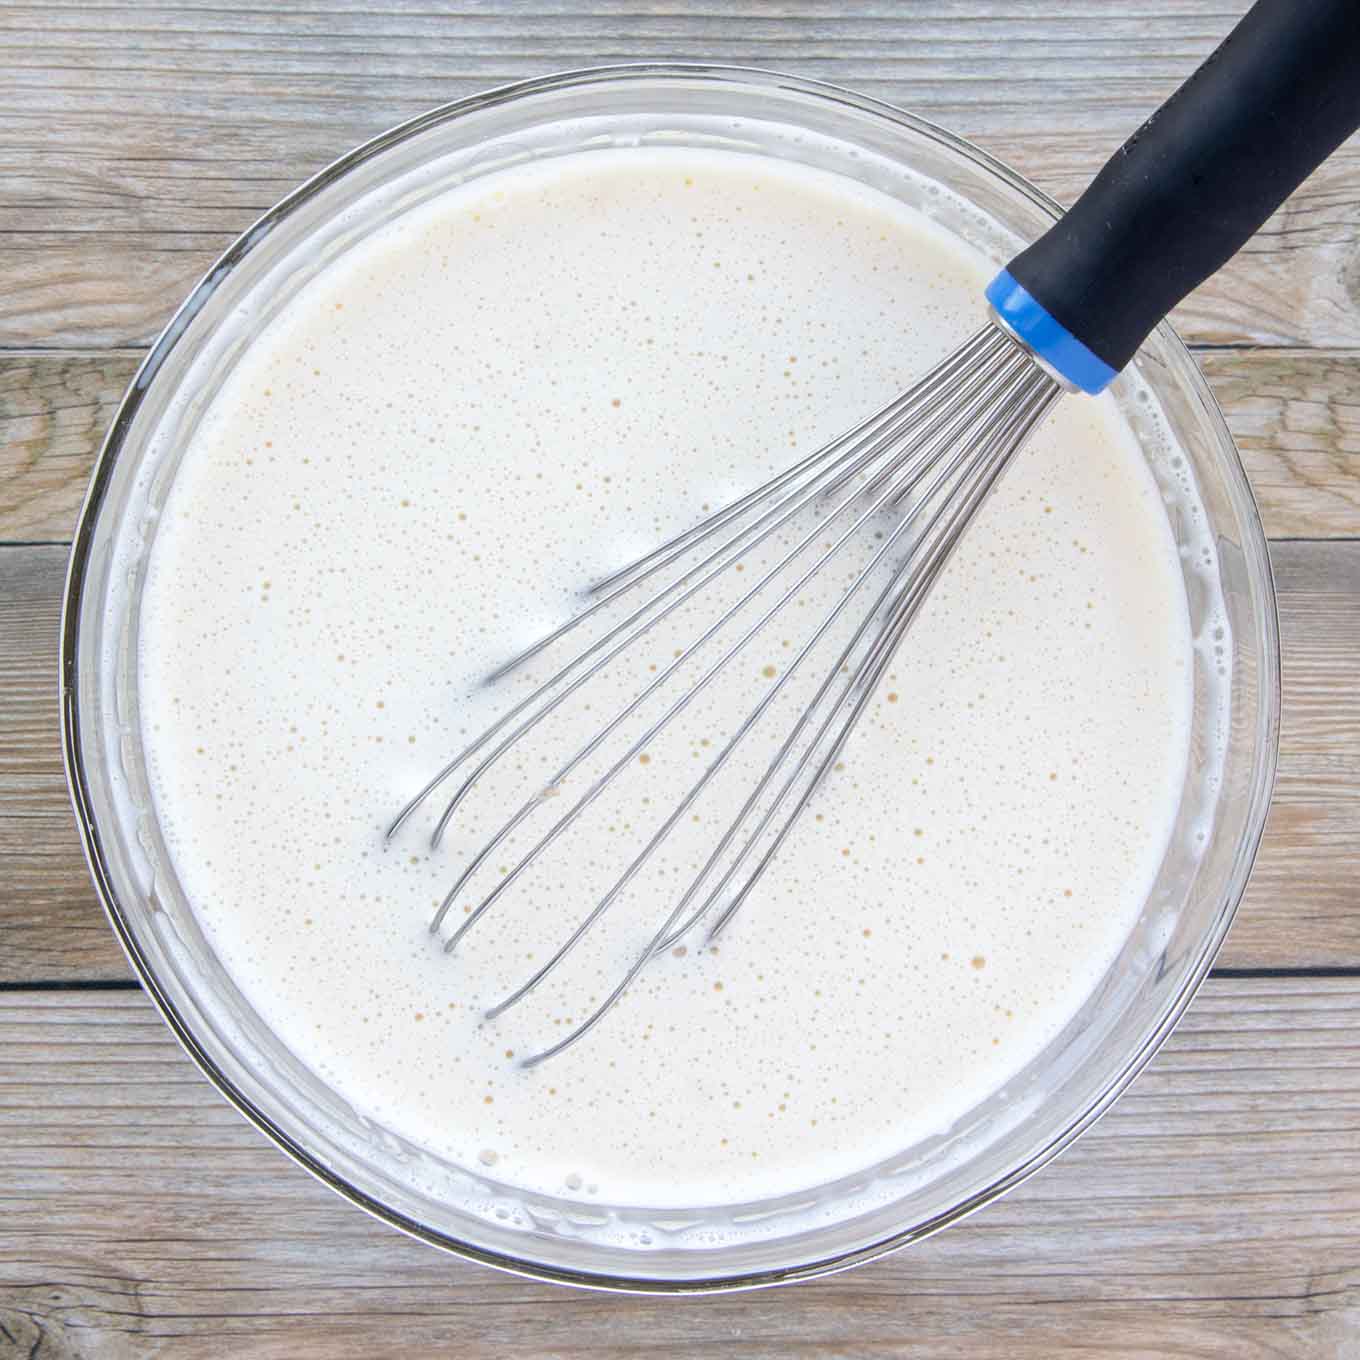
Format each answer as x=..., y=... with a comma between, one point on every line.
x=866, y=675
x=934, y=453
x=1019, y=415
x=713, y=566
x=602, y=735
x=1000, y=368
x=551, y=702
x=730, y=747
x=913, y=591
x=852, y=451
x=970, y=351
x=928, y=392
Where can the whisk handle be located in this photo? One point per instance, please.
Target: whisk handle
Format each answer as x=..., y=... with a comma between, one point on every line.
x=1188, y=189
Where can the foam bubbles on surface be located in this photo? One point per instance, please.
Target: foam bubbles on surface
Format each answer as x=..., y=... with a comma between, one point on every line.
x=414, y=472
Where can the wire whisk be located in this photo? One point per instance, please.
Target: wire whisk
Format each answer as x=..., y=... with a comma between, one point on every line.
x=929, y=457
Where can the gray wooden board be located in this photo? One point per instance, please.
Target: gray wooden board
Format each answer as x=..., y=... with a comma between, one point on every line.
x=1215, y=1211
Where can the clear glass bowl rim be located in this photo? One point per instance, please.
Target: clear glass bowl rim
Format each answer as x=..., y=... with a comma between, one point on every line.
x=1265, y=724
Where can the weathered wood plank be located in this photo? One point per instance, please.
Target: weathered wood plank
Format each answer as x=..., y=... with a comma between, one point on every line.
x=1299, y=911
x=50, y=922
x=54, y=410
x=1296, y=417
x=1214, y=1212
x=138, y=141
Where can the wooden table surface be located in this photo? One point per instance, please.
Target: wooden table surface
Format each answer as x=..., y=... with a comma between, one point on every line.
x=1215, y=1212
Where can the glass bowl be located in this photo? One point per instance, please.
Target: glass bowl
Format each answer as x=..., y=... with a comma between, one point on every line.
x=926, y=1187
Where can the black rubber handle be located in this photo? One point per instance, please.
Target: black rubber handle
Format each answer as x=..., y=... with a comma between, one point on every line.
x=1184, y=193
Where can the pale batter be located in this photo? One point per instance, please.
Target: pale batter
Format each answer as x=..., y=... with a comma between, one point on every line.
x=418, y=466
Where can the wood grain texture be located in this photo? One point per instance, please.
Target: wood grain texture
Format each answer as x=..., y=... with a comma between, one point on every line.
x=1215, y=1212
x=54, y=410
x=1295, y=415
x=144, y=1217
x=1300, y=909
x=51, y=926
x=1296, y=418
x=139, y=141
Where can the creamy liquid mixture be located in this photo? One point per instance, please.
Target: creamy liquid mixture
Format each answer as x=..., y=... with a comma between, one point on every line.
x=418, y=467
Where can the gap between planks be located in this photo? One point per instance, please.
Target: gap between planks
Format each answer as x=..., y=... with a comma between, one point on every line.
x=1317, y=972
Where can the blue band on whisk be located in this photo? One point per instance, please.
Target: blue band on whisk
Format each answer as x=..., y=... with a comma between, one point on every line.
x=1046, y=336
